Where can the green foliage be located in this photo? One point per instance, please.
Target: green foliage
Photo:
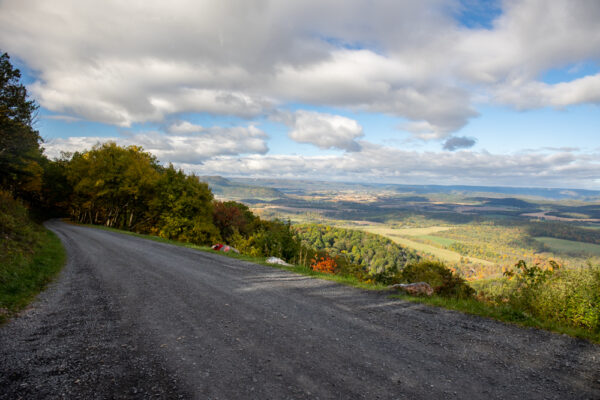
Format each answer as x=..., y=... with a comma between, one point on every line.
x=568, y=296
x=561, y=230
x=231, y=217
x=126, y=188
x=112, y=185
x=55, y=195
x=271, y=238
x=20, y=151
x=29, y=256
x=530, y=277
x=376, y=254
x=443, y=281
x=181, y=209
x=17, y=233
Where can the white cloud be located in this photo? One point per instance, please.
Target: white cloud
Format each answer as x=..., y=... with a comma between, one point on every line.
x=539, y=94
x=188, y=143
x=127, y=62
x=323, y=130
x=384, y=164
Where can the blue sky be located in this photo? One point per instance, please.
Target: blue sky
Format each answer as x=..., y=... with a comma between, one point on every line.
x=442, y=92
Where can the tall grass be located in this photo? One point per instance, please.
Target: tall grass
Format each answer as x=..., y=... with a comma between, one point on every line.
x=30, y=257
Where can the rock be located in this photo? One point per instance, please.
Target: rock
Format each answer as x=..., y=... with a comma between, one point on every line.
x=275, y=260
x=414, y=289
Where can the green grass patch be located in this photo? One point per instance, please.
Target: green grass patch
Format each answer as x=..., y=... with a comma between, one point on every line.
x=24, y=277
x=504, y=313
x=438, y=240
x=569, y=246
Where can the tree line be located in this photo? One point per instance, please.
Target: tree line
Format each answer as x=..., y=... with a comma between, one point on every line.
x=375, y=253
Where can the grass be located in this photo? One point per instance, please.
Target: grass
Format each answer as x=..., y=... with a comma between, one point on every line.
x=504, y=313
x=421, y=231
x=26, y=277
x=569, y=246
x=438, y=240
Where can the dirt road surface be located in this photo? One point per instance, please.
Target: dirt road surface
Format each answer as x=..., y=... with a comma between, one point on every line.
x=133, y=318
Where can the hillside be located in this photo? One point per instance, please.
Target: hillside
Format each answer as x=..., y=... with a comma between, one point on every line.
x=226, y=188
x=306, y=186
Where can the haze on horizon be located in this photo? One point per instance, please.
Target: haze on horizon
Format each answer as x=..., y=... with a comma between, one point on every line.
x=461, y=92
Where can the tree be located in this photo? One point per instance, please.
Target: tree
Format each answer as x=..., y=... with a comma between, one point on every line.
x=112, y=185
x=182, y=209
x=20, y=151
x=231, y=217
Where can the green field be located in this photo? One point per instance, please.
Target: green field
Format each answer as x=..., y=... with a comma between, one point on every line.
x=421, y=231
x=569, y=246
x=437, y=240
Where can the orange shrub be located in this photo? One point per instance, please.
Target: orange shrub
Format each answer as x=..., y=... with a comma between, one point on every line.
x=324, y=264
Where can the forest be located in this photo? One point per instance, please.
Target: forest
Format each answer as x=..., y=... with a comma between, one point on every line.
x=374, y=252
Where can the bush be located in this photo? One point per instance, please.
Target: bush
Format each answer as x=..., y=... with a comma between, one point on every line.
x=528, y=280
x=18, y=235
x=443, y=281
x=324, y=264
x=270, y=239
x=29, y=256
x=570, y=296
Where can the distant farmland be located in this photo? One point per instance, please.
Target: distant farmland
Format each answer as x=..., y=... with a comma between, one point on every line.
x=569, y=246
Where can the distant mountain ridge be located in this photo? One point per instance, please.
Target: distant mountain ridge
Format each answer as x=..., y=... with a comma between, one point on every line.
x=223, y=187
x=295, y=186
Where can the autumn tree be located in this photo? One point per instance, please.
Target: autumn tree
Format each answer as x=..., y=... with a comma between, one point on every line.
x=112, y=185
x=231, y=217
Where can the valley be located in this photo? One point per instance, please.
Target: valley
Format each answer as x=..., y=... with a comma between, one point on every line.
x=478, y=231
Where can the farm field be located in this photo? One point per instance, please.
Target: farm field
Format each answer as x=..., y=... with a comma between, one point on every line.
x=421, y=231
x=569, y=246
x=437, y=240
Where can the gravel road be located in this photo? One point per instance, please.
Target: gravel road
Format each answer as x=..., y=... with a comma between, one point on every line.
x=133, y=318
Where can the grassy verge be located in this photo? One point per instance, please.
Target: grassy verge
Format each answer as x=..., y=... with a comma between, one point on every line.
x=25, y=277
x=505, y=313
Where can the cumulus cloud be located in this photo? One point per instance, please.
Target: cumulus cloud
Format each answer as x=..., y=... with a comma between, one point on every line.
x=385, y=164
x=459, y=142
x=187, y=143
x=124, y=62
x=323, y=130
x=539, y=94
x=205, y=154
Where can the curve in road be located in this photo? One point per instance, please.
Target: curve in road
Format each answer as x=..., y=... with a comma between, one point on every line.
x=134, y=318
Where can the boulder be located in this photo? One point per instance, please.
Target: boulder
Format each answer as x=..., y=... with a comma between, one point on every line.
x=414, y=289
x=275, y=260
